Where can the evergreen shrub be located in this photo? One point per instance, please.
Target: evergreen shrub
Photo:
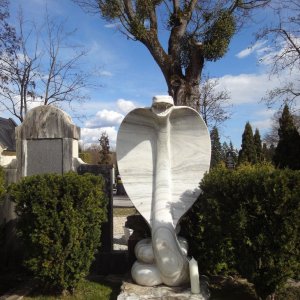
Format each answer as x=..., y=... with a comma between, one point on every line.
x=2, y=185
x=248, y=221
x=60, y=220
x=86, y=157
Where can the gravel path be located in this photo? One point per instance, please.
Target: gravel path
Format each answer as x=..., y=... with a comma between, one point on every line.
x=120, y=242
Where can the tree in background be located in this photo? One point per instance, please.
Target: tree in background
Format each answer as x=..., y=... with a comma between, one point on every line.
x=9, y=42
x=199, y=31
x=287, y=152
x=104, y=149
x=283, y=50
x=216, y=149
x=271, y=137
x=268, y=152
x=258, y=145
x=248, y=149
x=8, y=37
x=44, y=69
x=214, y=106
x=229, y=148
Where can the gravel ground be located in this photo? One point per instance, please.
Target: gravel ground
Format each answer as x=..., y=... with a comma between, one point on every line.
x=120, y=242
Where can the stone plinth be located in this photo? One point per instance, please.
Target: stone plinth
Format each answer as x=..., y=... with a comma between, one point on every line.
x=131, y=291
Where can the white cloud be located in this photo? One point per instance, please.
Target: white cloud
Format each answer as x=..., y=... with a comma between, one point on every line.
x=266, y=113
x=112, y=25
x=125, y=106
x=101, y=53
x=105, y=118
x=247, y=88
x=106, y=73
x=91, y=136
x=262, y=124
x=258, y=46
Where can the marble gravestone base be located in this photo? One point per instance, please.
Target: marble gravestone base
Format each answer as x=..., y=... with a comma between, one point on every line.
x=163, y=153
x=131, y=291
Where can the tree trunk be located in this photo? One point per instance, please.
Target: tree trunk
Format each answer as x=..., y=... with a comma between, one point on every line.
x=184, y=92
x=184, y=87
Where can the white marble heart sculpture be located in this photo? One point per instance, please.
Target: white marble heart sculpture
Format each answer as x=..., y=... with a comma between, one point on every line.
x=163, y=153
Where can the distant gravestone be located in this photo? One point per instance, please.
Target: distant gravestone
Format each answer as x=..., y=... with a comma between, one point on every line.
x=230, y=164
x=46, y=142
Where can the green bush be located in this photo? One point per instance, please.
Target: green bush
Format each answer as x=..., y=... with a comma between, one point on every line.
x=2, y=185
x=86, y=157
x=248, y=221
x=60, y=220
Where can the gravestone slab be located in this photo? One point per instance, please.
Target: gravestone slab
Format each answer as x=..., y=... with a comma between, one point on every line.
x=46, y=156
x=46, y=142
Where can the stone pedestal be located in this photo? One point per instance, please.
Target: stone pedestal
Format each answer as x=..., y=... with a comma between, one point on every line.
x=131, y=291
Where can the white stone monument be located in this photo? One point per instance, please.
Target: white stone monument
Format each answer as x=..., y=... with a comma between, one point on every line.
x=163, y=153
x=46, y=142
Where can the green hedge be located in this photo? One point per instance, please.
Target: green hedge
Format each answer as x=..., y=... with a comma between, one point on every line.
x=248, y=221
x=2, y=185
x=60, y=220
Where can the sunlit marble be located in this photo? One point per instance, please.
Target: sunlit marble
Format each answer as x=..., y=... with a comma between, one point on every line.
x=163, y=153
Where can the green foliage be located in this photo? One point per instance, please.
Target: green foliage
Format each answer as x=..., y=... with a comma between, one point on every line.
x=219, y=36
x=60, y=220
x=86, y=157
x=110, y=9
x=268, y=152
x=229, y=148
x=216, y=149
x=247, y=153
x=287, y=152
x=104, y=149
x=2, y=184
x=248, y=221
x=258, y=145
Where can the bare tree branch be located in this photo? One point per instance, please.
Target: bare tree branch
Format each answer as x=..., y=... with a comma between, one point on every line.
x=284, y=52
x=42, y=74
x=214, y=104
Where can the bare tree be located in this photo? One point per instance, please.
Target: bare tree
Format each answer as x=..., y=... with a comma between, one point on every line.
x=44, y=70
x=61, y=78
x=198, y=31
x=214, y=105
x=19, y=68
x=284, y=51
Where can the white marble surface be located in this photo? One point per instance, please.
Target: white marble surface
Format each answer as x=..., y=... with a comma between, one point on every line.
x=188, y=153
x=163, y=153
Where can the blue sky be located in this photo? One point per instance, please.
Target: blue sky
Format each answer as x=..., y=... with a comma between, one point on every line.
x=130, y=77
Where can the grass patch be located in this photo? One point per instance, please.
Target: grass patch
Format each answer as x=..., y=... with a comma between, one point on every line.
x=88, y=289
x=124, y=211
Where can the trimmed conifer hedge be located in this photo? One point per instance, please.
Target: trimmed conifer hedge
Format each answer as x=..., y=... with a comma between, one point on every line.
x=60, y=219
x=248, y=221
x=2, y=185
